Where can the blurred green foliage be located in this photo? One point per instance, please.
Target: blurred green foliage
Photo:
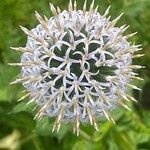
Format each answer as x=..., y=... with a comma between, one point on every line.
x=18, y=130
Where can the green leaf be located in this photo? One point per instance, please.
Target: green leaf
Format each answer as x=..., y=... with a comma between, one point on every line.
x=23, y=106
x=44, y=126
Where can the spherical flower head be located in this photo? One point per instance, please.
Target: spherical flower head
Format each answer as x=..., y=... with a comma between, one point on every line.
x=77, y=65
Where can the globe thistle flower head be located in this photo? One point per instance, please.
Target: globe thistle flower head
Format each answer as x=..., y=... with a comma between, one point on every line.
x=77, y=65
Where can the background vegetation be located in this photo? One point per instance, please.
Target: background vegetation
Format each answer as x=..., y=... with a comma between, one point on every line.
x=18, y=130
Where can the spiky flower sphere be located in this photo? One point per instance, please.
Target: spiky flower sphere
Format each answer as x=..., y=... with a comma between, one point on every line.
x=77, y=65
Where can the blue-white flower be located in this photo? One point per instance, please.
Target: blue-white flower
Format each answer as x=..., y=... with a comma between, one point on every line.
x=77, y=65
